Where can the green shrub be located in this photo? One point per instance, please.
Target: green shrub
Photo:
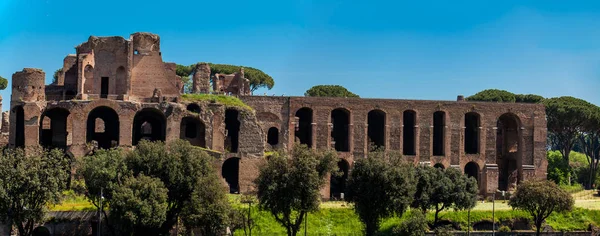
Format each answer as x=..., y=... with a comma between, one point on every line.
x=415, y=225
x=229, y=101
x=445, y=230
x=504, y=228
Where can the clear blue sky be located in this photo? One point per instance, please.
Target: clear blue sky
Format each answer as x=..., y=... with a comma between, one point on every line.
x=384, y=49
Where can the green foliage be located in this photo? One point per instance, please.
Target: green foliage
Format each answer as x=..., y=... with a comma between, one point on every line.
x=528, y=98
x=329, y=91
x=208, y=208
x=442, y=189
x=493, y=95
x=504, y=229
x=185, y=172
x=558, y=168
x=29, y=183
x=540, y=198
x=288, y=185
x=56, y=75
x=380, y=187
x=139, y=205
x=184, y=71
x=565, y=117
x=3, y=83
x=415, y=225
x=228, y=101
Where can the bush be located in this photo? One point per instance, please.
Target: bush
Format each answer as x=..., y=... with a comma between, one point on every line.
x=415, y=225
x=445, y=230
x=504, y=228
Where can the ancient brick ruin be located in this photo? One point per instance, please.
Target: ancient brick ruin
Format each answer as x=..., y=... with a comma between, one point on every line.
x=116, y=92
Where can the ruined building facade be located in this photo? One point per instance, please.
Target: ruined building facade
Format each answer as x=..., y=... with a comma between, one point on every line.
x=116, y=92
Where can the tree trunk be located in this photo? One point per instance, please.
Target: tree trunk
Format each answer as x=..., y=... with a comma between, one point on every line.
x=370, y=228
x=538, y=227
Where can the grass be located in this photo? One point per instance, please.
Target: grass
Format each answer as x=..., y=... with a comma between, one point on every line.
x=73, y=202
x=229, y=101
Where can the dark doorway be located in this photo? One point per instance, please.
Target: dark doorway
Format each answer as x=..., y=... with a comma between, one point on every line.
x=53, y=128
x=304, y=127
x=70, y=94
x=340, y=118
x=376, y=129
x=104, y=87
x=472, y=170
x=231, y=172
x=472, y=133
x=103, y=127
x=408, y=130
x=273, y=136
x=439, y=166
x=439, y=123
x=193, y=130
x=337, y=184
x=20, y=127
x=149, y=124
x=508, y=151
x=232, y=125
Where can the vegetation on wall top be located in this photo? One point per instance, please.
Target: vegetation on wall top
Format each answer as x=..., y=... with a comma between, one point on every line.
x=229, y=101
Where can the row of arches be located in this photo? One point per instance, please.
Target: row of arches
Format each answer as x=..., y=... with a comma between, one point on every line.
x=376, y=123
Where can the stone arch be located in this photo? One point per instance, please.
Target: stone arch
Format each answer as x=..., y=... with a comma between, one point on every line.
x=53, y=128
x=232, y=126
x=304, y=126
x=439, y=133
x=409, y=134
x=149, y=124
x=273, y=136
x=439, y=165
x=103, y=127
x=88, y=74
x=193, y=107
x=472, y=124
x=337, y=184
x=230, y=171
x=121, y=80
x=19, y=126
x=340, y=133
x=508, y=151
x=193, y=130
x=376, y=128
x=472, y=170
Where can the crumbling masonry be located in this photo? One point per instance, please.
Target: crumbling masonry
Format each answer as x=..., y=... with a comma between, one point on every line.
x=116, y=92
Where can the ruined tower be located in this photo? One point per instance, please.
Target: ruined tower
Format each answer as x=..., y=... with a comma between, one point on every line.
x=27, y=89
x=201, y=78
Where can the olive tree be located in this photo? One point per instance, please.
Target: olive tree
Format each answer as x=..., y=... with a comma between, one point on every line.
x=29, y=182
x=380, y=186
x=288, y=185
x=540, y=198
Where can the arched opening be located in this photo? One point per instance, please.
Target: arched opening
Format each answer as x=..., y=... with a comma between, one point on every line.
x=103, y=127
x=439, y=166
x=149, y=124
x=193, y=107
x=472, y=170
x=409, y=119
x=88, y=74
x=20, y=126
x=508, y=154
x=121, y=80
x=472, y=133
x=41, y=231
x=337, y=184
x=53, y=128
x=340, y=118
x=376, y=128
x=193, y=130
x=273, y=136
x=304, y=127
x=232, y=125
x=231, y=171
x=439, y=123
